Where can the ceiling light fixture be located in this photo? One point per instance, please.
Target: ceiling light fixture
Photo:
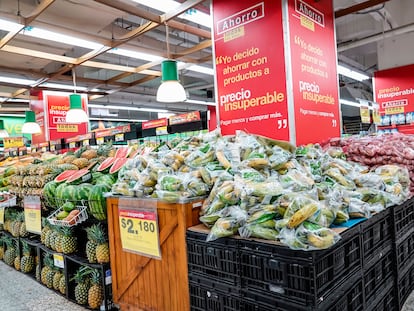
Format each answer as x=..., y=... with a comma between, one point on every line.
x=3, y=132
x=76, y=114
x=350, y=73
x=30, y=126
x=170, y=90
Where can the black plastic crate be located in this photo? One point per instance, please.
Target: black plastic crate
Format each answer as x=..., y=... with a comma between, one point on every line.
x=218, y=259
x=305, y=277
x=73, y=263
x=377, y=236
x=378, y=276
x=387, y=300
x=404, y=250
x=403, y=218
x=405, y=284
x=347, y=295
x=213, y=295
x=35, y=249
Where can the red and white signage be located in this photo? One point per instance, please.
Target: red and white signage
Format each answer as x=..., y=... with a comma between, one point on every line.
x=154, y=123
x=313, y=68
x=250, y=67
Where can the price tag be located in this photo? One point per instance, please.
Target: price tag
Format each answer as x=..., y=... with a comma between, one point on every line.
x=52, y=147
x=119, y=137
x=32, y=214
x=34, y=150
x=100, y=141
x=58, y=260
x=1, y=215
x=139, y=230
x=72, y=144
x=44, y=149
x=85, y=142
x=20, y=153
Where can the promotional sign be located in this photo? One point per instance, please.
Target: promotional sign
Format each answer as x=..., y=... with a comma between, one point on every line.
x=154, y=123
x=13, y=126
x=13, y=142
x=250, y=67
x=394, y=92
x=39, y=109
x=184, y=118
x=138, y=227
x=57, y=105
x=32, y=214
x=313, y=67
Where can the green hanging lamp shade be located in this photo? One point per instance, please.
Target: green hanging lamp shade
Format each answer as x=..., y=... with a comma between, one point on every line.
x=76, y=114
x=3, y=132
x=170, y=90
x=30, y=126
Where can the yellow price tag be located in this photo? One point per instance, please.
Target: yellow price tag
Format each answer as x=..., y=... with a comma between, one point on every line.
x=85, y=142
x=44, y=149
x=52, y=147
x=139, y=231
x=58, y=260
x=32, y=214
x=119, y=137
x=100, y=141
x=72, y=145
x=1, y=215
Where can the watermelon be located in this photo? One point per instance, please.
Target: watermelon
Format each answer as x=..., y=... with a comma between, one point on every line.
x=97, y=201
x=49, y=191
x=82, y=192
x=64, y=175
x=108, y=180
x=118, y=164
x=106, y=164
x=58, y=192
x=80, y=176
x=69, y=193
x=96, y=176
x=122, y=152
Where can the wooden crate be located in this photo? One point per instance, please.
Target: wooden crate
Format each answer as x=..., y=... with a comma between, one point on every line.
x=147, y=284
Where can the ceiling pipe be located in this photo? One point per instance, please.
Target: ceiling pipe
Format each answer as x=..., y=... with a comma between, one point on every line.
x=377, y=37
x=358, y=7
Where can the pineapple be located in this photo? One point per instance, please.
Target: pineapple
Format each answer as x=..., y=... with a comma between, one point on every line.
x=82, y=285
x=102, y=248
x=27, y=263
x=47, y=264
x=2, y=243
x=52, y=238
x=48, y=236
x=16, y=223
x=95, y=293
x=62, y=285
x=10, y=253
x=56, y=279
x=17, y=262
x=68, y=241
x=91, y=244
x=45, y=228
x=50, y=274
x=58, y=240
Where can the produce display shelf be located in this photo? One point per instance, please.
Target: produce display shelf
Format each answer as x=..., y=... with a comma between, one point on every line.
x=219, y=259
x=303, y=276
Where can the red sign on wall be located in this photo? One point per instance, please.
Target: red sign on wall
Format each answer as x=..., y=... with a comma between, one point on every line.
x=313, y=66
x=57, y=105
x=38, y=107
x=250, y=67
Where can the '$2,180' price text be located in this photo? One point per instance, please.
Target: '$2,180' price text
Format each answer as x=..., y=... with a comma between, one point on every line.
x=135, y=226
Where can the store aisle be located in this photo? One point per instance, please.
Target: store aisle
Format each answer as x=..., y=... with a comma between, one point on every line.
x=18, y=292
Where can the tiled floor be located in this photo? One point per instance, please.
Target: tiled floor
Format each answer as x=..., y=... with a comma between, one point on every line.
x=18, y=292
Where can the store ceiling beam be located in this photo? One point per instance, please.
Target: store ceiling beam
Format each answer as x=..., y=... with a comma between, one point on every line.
x=26, y=21
x=358, y=7
x=133, y=10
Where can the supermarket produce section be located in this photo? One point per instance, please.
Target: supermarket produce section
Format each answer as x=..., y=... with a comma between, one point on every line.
x=241, y=222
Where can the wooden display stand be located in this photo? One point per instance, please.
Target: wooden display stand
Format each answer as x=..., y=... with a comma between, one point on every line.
x=144, y=283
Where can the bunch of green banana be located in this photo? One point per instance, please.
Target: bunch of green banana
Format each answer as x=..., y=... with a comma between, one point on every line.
x=170, y=183
x=341, y=217
x=198, y=158
x=223, y=227
x=336, y=175
x=173, y=159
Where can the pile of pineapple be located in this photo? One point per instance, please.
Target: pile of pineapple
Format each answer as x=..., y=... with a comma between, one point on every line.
x=14, y=223
x=89, y=289
x=97, y=247
x=50, y=275
x=59, y=239
x=10, y=253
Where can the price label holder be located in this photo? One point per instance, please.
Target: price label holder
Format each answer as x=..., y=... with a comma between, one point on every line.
x=58, y=260
x=138, y=225
x=100, y=141
x=2, y=215
x=44, y=149
x=32, y=214
x=52, y=148
x=85, y=142
x=72, y=144
x=119, y=137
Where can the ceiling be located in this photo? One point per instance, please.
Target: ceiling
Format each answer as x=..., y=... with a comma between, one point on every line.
x=371, y=35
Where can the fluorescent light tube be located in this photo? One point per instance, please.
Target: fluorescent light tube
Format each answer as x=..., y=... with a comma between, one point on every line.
x=116, y=119
x=17, y=81
x=192, y=15
x=137, y=55
x=200, y=102
x=201, y=69
x=352, y=73
x=127, y=108
x=9, y=26
x=63, y=86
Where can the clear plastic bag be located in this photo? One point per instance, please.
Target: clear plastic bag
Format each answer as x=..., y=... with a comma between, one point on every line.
x=228, y=225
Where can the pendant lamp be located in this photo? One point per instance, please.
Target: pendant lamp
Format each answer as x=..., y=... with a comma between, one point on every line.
x=30, y=126
x=170, y=90
x=75, y=114
x=3, y=132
